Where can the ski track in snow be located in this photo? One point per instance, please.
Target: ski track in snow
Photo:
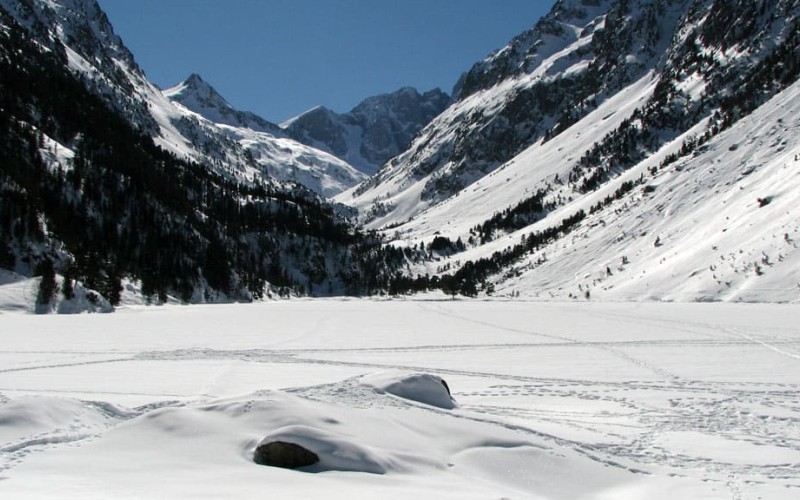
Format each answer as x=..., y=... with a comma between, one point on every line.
x=643, y=424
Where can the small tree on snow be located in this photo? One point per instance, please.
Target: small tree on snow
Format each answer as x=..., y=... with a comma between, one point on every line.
x=67, y=287
x=47, y=285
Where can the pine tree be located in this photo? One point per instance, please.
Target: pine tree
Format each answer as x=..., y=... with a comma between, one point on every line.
x=67, y=288
x=7, y=259
x=47, y=285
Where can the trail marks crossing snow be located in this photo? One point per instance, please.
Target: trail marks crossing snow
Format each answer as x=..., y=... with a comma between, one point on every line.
x=553, y=400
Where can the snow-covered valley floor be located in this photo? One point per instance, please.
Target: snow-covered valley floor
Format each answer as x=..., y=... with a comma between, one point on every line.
x=553, y=400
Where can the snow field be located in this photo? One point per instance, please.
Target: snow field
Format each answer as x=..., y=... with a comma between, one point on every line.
x=551, y=400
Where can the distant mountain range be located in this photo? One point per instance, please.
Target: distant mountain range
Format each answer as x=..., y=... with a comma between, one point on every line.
x=617, y=150
x=378, y=129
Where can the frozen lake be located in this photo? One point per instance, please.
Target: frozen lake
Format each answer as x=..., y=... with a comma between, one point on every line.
x=554, y=400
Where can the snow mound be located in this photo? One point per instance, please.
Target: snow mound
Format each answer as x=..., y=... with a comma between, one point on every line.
x=420, y=387
x=39, y=421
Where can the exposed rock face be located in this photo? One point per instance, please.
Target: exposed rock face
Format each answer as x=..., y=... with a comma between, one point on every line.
x=284, y=455
x=379, y=128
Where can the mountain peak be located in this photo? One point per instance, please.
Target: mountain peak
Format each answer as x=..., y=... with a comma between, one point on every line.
x=197, y=95
x=374, y=131
x=194, y=79
x=201, y=97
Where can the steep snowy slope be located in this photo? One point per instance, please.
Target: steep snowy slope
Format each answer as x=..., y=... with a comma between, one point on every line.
x=678, y=75
x=379, y=128
x=583, y=54
x=488, y=126
x=720, y=223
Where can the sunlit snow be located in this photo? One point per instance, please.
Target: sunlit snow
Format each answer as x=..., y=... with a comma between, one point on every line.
x=550, y=400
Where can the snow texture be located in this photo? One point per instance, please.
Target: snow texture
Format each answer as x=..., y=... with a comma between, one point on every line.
x=556, y=400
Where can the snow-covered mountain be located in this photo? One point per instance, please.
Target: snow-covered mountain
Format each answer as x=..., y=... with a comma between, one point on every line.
x=230, y=136
x=81, y=30
x=618, y=150
x=552, y=76
x=104, y=180
x=610, y=152
x=377, y=129
x=204, y=128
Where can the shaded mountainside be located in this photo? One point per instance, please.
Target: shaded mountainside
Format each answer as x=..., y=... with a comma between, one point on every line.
x=376, y=130
x=80, y=31
x=87, y=193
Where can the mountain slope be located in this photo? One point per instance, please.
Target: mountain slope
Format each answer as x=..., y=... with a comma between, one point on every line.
x=232, y=136
x=619, y=150
x=197, y=95
x=238, y=145
x=718, y=223
x=88, y=193
x=580, y=55
x=720, y=62
x=377, y=129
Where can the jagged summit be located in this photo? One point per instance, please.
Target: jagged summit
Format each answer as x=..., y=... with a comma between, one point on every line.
x=257, y=142
x=377, y=129
x=312, y=115
x=567, y=22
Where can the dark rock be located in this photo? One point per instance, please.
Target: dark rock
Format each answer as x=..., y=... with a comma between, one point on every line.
x=284, y=455
x=447, y=387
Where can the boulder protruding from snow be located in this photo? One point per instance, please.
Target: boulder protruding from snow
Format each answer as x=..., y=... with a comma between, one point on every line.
x=293, y=445
x=285, y=455
x=420, y=387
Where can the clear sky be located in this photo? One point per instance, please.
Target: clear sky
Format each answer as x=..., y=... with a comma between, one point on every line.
x=279, y=58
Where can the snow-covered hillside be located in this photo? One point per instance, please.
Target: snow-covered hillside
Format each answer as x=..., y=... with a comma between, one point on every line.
x=550, y=401
x=718, y=224
x=574, y=60
x=608, y=126
x=265, y=148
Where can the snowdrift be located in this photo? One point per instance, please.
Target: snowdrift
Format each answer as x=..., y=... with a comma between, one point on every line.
x=420, y=387
x=162, y=452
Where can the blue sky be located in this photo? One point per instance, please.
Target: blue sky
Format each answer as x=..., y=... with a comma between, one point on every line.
x=279, y=58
